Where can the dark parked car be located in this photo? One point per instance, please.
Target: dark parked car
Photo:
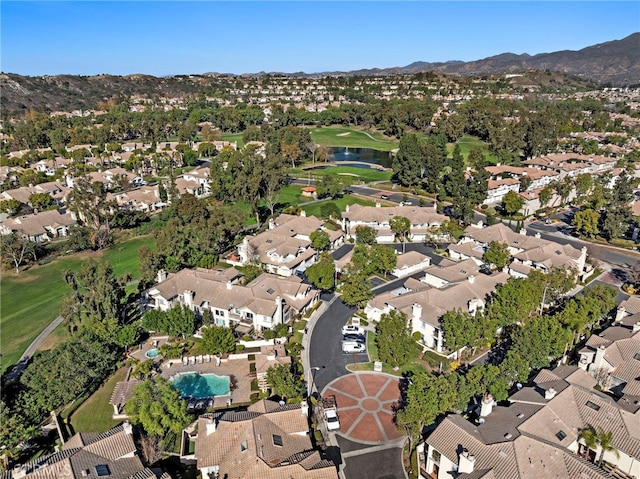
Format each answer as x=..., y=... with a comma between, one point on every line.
x=354, y=337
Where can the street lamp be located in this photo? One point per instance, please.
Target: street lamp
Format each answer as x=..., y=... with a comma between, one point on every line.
x=313, y=370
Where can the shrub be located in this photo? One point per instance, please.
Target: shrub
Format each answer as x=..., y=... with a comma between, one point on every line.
x=416, y=336
x=269, y=334
x=239, y=348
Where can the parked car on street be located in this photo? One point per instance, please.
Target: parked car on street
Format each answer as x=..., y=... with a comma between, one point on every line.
x=353, y=347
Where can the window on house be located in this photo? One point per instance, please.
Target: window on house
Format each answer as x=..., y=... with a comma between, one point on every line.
x=277, y=440
x=219, y=312
x=593, y=406
x=249, y=315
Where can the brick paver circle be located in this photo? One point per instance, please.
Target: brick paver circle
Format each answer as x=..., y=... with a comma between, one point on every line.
x=366, y=402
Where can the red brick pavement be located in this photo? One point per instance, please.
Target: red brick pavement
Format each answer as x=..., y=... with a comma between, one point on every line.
x=365, y=406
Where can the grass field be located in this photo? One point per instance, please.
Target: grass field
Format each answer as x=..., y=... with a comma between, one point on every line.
x=351, y=137
x=31, y=300
x=467, y=143
x=314, y=209
x=233, y=137
x=365, y=175
x=94, y=415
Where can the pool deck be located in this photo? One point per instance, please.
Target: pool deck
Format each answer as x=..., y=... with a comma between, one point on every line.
x=236, y=369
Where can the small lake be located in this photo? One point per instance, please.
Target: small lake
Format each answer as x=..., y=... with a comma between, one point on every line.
x=366, y=155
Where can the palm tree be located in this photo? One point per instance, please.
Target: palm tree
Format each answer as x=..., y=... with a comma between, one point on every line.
x=605, y=441
x=599, y=439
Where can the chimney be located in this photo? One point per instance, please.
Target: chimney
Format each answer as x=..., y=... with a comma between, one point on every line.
x=549, y=394
x=416, y=311
x=472, y=279
x=377, y=205
x=346, y=210
x=466, y=462
x=523, y=232
x=228, y=284
x=537, y=235
x=188, y=298
x=620, y=314
x=19, y=471
x=272, y=223
x=303, y=213
x=636, y=327
x=304, y=408
x=473, y=306
x=127, y=428
x=212, y=425
x=486, y=405
x=162, y=275
x=279, y=312
x=599, y=360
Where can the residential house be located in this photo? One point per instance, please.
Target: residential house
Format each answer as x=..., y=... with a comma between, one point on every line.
x=409, y=263
x=528, y=252
x=285, y=247
x=613, y=357
x=262, y=304
x=146, y=198
x=111, y=454
x=425, y=305
x=113, y=178
x=498, y=189
x=268, y=441
x=55, y=189
x=195, y=182
x=537, y=435
x=422, y=219
x=39, y=227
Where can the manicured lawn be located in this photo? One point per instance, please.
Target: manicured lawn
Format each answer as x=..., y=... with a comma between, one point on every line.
x=351, y=137
x=94, y=415
x=233, y=137
x=291, y=195
x=467, y=143
x=32, y=299
x=314, y=209
x=365, y=175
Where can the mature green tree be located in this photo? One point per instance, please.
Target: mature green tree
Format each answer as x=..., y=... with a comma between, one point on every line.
x=284, y=383
x=75, y=368
x=512, y=202
x=217, y=340
x=322, y=273
x=182, y=321
x=355, y=288
x=127, y=335
x=11, y=206
x=102, y=297
x=88, y=201
x=330, y=185
x=383, y=259
x=584, y=183
x=157, y=407
x=396, y=347
x=401, y=227
x=586, y=222
x=408, y=162
x=15, y=430
x=497, y=254
x=366, y=234
x=616, y=222
x=320, y=240
x=40, y=201
x=545, y=195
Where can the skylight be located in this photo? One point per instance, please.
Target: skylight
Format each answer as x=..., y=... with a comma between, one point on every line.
x=277, y=440
x=270, y=291
x=102, y=470
x=593, y=405
x=561, y=434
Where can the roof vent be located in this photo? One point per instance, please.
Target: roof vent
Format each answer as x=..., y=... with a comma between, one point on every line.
x=508, y=435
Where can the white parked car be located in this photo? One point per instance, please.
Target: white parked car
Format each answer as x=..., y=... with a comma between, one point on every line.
x=353, y=347
x=351, y=329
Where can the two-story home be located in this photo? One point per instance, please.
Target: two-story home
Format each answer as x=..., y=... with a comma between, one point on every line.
x=422, y=220
x=111, y=454
x=285, y=247
x=145, y=198
x=425, y=305
x=195, y=182
x=262, y=304
x=539, y=434
x=528, y=252
x=55, y=189
x=268, y=441
x=39, y=227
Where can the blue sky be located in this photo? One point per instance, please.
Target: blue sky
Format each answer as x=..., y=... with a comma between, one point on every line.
x=167, y=38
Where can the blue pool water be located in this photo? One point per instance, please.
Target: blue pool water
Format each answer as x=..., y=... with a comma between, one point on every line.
x=198, y=386
x=152, y=353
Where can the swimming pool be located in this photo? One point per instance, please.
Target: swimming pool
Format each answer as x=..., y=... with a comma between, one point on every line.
x=152, y=353
x=198, y=386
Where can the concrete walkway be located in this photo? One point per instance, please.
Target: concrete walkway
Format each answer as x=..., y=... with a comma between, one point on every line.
x=31, y=350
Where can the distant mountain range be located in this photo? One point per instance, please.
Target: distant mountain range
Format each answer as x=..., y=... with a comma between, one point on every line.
x=616, y=63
